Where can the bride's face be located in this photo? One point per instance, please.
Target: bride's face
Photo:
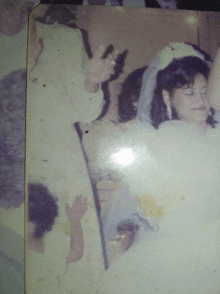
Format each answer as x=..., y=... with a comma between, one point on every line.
x=190, y=102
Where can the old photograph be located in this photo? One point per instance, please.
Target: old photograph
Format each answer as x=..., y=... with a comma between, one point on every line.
x=122, y=150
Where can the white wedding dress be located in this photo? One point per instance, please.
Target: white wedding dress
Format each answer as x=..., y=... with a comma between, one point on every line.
x=178, y=187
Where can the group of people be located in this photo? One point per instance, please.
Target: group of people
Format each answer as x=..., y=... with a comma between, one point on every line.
x=173, y=144
x=166, y=210
x=161, y=227
x=163, y=221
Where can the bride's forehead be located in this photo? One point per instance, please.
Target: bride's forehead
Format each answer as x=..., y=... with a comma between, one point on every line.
x=199, y=80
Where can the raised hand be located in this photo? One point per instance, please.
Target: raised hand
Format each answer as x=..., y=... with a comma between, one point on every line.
x=100, y=69
x=78, y=208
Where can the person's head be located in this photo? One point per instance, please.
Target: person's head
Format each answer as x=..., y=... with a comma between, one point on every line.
x=180, y=93
x=14, y=15
x=128, y=98
x=60, y=14
x=42, y=210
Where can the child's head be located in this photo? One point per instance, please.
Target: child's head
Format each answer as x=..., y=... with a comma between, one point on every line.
x=42, y=210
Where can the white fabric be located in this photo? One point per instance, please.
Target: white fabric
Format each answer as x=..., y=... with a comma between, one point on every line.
x=56, y=99
x=183, y=255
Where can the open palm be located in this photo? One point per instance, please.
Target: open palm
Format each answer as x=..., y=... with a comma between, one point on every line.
x=78, y=208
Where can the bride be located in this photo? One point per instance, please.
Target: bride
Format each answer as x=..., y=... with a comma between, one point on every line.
x=178, y=185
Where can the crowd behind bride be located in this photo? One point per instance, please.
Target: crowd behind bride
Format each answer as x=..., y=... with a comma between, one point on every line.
x=155, y=168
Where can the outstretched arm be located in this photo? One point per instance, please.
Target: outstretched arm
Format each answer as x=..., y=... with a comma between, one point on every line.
x=214, y=83
x=75, y=214
x=99, y=69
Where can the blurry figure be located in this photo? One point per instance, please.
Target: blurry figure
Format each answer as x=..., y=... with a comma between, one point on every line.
x=56, y=101
x=101, y=140
x=42, y=214
x=14, y=15
x=64, y=88
x=13, y=33
x=104, y=134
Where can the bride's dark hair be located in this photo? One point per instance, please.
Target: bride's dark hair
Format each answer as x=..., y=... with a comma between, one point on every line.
x=178, y=73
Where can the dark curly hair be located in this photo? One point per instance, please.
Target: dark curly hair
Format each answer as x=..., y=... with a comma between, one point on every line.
x=12, y=138
x=42, y=208
x=130, y=93
x=178, y=73
x=59, y=13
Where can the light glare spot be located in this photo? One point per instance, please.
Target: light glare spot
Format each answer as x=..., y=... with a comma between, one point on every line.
x=123, y=157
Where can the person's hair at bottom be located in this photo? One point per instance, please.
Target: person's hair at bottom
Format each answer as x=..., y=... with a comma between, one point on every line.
x=178, y=73
x=42, y=208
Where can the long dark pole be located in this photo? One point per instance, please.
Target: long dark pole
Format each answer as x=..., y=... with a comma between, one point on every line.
x=95, y=197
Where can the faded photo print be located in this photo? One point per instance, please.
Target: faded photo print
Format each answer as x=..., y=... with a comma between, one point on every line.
x=122, y=151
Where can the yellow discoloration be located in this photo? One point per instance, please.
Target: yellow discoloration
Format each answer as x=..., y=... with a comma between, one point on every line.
x=182, y=198
x=150, y=207
x=40, y=280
